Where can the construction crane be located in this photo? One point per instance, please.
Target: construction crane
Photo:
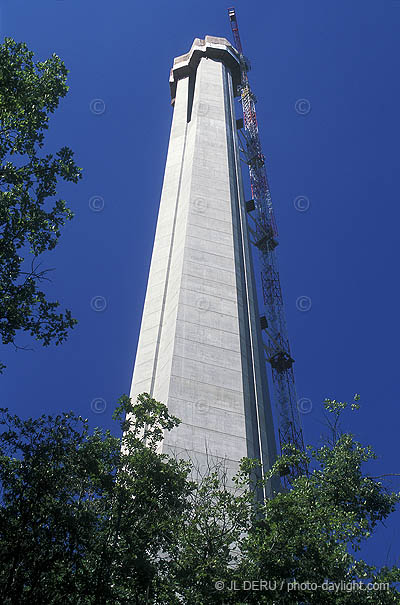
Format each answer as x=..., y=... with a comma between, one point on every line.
x=264, y=236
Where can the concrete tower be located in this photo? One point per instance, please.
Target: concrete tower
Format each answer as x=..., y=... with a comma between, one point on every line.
x=200, y=350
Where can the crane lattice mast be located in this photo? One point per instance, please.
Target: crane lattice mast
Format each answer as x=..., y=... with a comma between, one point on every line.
x=264, y=234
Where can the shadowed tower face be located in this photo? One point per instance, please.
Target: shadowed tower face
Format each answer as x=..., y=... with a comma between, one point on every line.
x=200, y=350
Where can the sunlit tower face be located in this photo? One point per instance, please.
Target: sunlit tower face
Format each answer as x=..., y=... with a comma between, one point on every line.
x=200, y=348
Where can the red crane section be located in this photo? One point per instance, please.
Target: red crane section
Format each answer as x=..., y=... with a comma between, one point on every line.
x=262, y=228
x=235, y=29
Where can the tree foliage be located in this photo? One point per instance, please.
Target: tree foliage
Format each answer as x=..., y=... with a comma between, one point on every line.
x=30, y=216
x=83, y=520
x=90, y=518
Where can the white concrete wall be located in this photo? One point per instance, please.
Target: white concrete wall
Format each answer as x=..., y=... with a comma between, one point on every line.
x=199, y=350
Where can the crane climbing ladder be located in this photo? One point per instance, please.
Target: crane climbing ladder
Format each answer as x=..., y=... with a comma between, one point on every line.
x=264, y=236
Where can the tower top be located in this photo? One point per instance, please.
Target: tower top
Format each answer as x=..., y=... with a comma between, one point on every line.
x=212, y=47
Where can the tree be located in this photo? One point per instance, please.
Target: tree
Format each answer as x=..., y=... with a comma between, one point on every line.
x=30, y=219
x=303, y=542
x=82, y=520
x=95, y=519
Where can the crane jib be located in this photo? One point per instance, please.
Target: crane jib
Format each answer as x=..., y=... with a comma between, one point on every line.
x=264, y=233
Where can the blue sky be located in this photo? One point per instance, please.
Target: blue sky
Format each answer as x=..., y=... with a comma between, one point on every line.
x=341, y=253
